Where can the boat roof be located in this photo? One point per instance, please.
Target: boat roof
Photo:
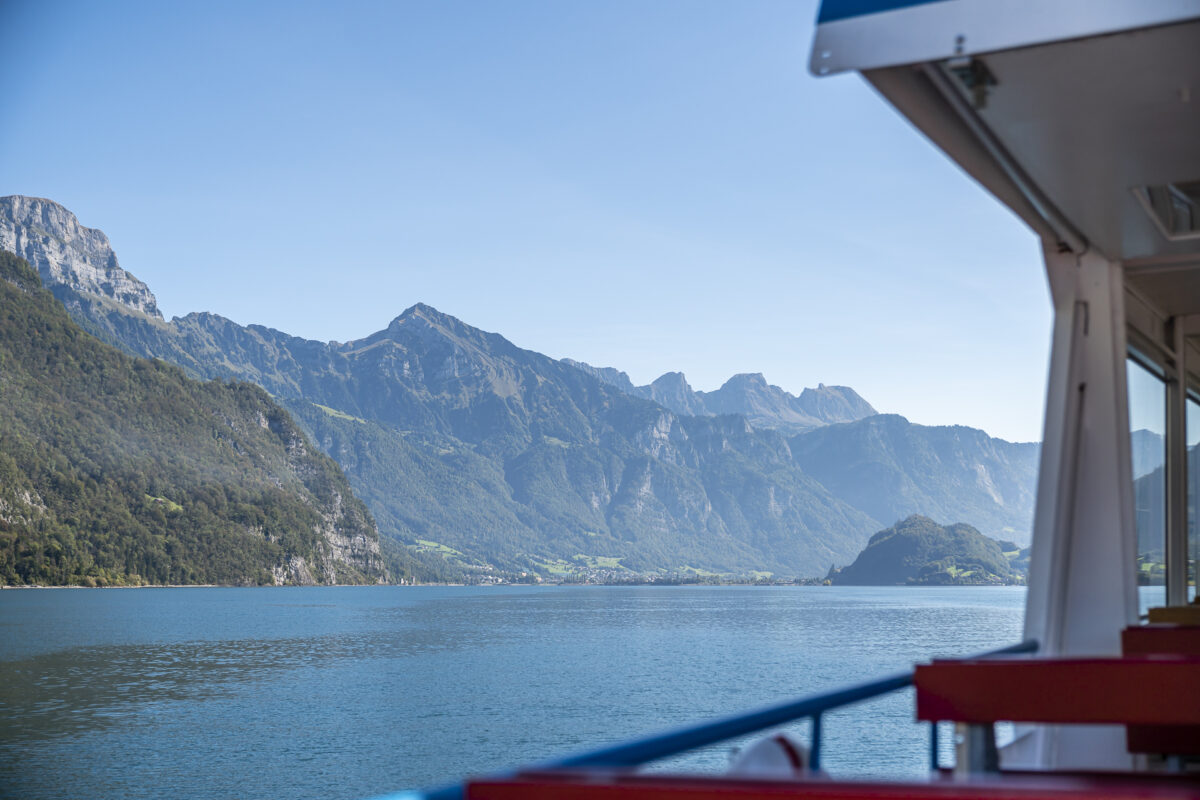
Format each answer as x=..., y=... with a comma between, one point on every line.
x=1082, y=116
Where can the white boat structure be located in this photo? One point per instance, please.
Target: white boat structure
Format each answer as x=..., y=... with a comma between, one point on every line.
x=1083, y=118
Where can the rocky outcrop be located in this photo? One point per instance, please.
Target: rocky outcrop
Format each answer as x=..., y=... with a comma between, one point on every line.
x=64, y=252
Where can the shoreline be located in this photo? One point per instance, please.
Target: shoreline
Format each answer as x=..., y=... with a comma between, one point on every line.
x=8, y=587
x=225, y=586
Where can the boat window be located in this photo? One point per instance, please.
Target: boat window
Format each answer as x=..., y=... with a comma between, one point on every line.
x=1193, y=490
x=1174, y=208
x=1147, y=429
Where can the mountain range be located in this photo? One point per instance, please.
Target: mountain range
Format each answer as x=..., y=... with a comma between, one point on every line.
x=747, y=394
x=481, y=457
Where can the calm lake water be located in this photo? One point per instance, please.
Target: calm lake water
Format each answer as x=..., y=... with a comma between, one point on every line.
x=355, y=691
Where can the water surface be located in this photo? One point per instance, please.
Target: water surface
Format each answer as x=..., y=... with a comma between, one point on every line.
x=347, y=692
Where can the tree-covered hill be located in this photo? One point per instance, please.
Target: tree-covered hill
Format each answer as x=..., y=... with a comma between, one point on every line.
x=918, y=551
x=116, y=470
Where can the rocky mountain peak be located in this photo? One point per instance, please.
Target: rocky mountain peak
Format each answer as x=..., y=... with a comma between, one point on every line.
x=672, y=390
x=746, y=379
x=672, y=381
x=425, y=323
x=834, y=404
x=422, y=311
x=423, y=316
x=66, y=253
x=748, y=393
x=608, y=375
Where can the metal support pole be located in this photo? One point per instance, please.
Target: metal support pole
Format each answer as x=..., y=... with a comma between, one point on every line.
x=814, y=757
x=977, y=751
x=1176, y=483
x=934, y=764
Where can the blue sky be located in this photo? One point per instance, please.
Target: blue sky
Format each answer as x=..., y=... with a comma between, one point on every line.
x=648, y=185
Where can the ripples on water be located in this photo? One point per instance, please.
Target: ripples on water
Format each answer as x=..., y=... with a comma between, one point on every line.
x=354, y=691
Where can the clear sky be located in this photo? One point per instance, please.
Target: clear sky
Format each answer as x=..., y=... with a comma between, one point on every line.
x=653, y=186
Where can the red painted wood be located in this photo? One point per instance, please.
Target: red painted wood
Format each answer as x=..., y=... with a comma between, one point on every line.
x=1148, y=690
x=607, y=787
x=1182, y=640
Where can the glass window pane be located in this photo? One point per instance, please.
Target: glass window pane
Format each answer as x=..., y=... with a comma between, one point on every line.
x=1147, y=429
x=1193, y=491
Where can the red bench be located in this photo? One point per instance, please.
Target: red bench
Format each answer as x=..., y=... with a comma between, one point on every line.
x=1158, y=695
x=1143, y=690
x=1162, y=639
x=596, y=785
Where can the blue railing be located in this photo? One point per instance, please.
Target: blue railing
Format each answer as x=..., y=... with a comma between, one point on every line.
x=672, y=743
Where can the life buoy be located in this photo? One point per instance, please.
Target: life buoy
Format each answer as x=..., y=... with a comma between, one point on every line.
x=776, y=756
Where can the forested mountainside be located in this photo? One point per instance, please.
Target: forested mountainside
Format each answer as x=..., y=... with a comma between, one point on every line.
x=918, y=551
x=469, y=448
x=116, y=470
x=747, y=394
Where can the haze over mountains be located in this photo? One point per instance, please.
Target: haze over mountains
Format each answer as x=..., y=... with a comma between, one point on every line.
x=482, y=457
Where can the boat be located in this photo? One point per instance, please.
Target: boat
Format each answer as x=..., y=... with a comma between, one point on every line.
x=1082, y=117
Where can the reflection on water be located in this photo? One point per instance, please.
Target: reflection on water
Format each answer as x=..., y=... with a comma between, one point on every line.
x=349, y=692
x=80, y=690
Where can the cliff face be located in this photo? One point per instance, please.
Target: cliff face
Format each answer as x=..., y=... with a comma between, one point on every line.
x=346, y=547
x=890, y=468
x=64, y=252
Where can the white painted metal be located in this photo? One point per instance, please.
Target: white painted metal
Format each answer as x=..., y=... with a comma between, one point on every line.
x=1090, y=120
x=1082, y=588
x=940, y=30
x=1064, y=233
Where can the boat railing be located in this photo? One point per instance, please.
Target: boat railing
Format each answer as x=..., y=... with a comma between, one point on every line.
x=672, y=743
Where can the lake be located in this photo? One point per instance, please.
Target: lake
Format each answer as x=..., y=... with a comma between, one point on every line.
x=349, y=692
